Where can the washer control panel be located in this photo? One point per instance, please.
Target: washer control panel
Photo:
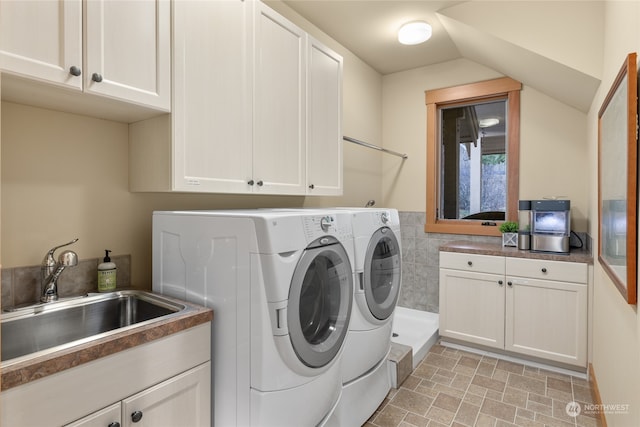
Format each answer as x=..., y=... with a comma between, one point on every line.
x=381, y=218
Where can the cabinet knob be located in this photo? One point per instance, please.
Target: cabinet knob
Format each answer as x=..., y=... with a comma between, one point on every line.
x=312, y=186
x=510, y=283
x=500, y=282
x=469, y=263
x=96, y=77
x=75, y=71
x=114, y=424
x=260, y=183
x=136, y=416
x=250, y=182
x=544, y=270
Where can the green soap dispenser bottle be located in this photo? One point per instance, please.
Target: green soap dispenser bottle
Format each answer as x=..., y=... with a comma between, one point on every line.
x=106, y=274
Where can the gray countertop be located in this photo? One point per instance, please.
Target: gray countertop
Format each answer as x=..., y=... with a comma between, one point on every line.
x=465, y=246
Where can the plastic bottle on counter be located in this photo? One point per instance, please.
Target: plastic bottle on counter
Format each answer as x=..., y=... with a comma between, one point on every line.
x=106, y=274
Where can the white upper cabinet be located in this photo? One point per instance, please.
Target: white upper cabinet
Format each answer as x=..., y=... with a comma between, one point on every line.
x=256, y=108
x=324, y=120
x=123, y=53
x=211, y=120
x=279, y=146
x=42, y=40
x=128, y=52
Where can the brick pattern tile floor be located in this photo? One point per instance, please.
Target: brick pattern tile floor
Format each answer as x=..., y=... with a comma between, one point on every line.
x=455, y=388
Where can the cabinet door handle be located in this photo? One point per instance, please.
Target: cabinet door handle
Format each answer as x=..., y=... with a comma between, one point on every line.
x=312, y=186
x=260, y=183
x=75, y=71
x=250, y=182
x=500, y=282
x=544, y=270
x=136, y=416
x=114, y=424
x=96, y=77
x=510, y=283
x=469, y=263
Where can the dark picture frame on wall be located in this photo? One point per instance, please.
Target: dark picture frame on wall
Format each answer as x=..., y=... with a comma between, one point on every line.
x=618, y=180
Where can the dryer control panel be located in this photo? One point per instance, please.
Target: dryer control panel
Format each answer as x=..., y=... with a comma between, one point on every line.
x=331, y=224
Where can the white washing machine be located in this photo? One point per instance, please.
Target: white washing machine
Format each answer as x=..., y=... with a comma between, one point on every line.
x=281, y=287
x=377, y=266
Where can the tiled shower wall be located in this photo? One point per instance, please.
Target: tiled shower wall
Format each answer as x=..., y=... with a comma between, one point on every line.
x=420, y=261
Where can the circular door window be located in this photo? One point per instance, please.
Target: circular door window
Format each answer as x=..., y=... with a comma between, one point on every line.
x=319, y=304
x=382, y=273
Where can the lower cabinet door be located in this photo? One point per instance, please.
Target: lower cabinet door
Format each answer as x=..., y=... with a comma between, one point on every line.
x=547, y=319
x=472, y=307
x=107, y=417
x=183, y=400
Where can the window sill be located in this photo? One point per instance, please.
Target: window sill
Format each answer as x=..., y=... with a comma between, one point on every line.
x=470, y=227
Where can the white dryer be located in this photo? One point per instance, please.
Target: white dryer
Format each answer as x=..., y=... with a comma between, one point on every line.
x=281, y=287
x=377, y=266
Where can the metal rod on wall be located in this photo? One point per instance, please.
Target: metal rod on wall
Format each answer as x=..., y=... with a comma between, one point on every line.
x=375, y=147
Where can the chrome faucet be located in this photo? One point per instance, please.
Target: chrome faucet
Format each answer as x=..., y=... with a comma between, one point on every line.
x=51, y=271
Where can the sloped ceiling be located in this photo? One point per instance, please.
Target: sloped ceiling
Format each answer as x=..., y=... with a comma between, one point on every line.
x=546, y=45
x=555, y=47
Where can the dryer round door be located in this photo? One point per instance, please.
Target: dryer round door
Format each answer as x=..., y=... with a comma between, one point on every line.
x=319, y=306
x=382, y=267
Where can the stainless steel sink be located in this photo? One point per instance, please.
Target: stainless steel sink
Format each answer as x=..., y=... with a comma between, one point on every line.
x=56, y=325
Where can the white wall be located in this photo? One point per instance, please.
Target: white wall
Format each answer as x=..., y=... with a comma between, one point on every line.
x=553, y=148
x=616, y=325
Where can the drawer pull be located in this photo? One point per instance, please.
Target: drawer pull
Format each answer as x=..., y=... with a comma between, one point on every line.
x=544, y=270
x=469, y=263
x=510, y=283
x=500, y=282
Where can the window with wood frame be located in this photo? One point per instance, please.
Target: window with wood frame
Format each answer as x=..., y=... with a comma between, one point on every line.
x=473, y=139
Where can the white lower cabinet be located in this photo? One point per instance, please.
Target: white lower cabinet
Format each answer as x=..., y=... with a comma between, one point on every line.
x=472, y=302
x=179, y=401
x=165, y=382
x=110, y=416
x=528, y=306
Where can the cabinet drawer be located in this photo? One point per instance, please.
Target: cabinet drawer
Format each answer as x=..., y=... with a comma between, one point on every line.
x=547, y=270
x=472, y=262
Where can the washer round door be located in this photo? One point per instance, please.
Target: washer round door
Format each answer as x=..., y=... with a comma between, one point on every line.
x=319, y=306
x=382, y=267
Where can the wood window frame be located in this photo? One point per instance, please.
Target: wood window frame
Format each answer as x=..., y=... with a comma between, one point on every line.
x=474, y=92
x=625, y=135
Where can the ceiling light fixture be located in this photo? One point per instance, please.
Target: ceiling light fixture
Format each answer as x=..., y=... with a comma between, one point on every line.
x=487, y=123
x=415, y=32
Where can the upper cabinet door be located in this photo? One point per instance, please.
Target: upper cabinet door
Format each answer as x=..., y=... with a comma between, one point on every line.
x=212, y=96
x=324, y=120
x=42, y=40
x=128, y=52
x=279, y=122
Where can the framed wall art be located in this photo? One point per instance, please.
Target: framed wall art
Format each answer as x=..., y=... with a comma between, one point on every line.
x=617, y=180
